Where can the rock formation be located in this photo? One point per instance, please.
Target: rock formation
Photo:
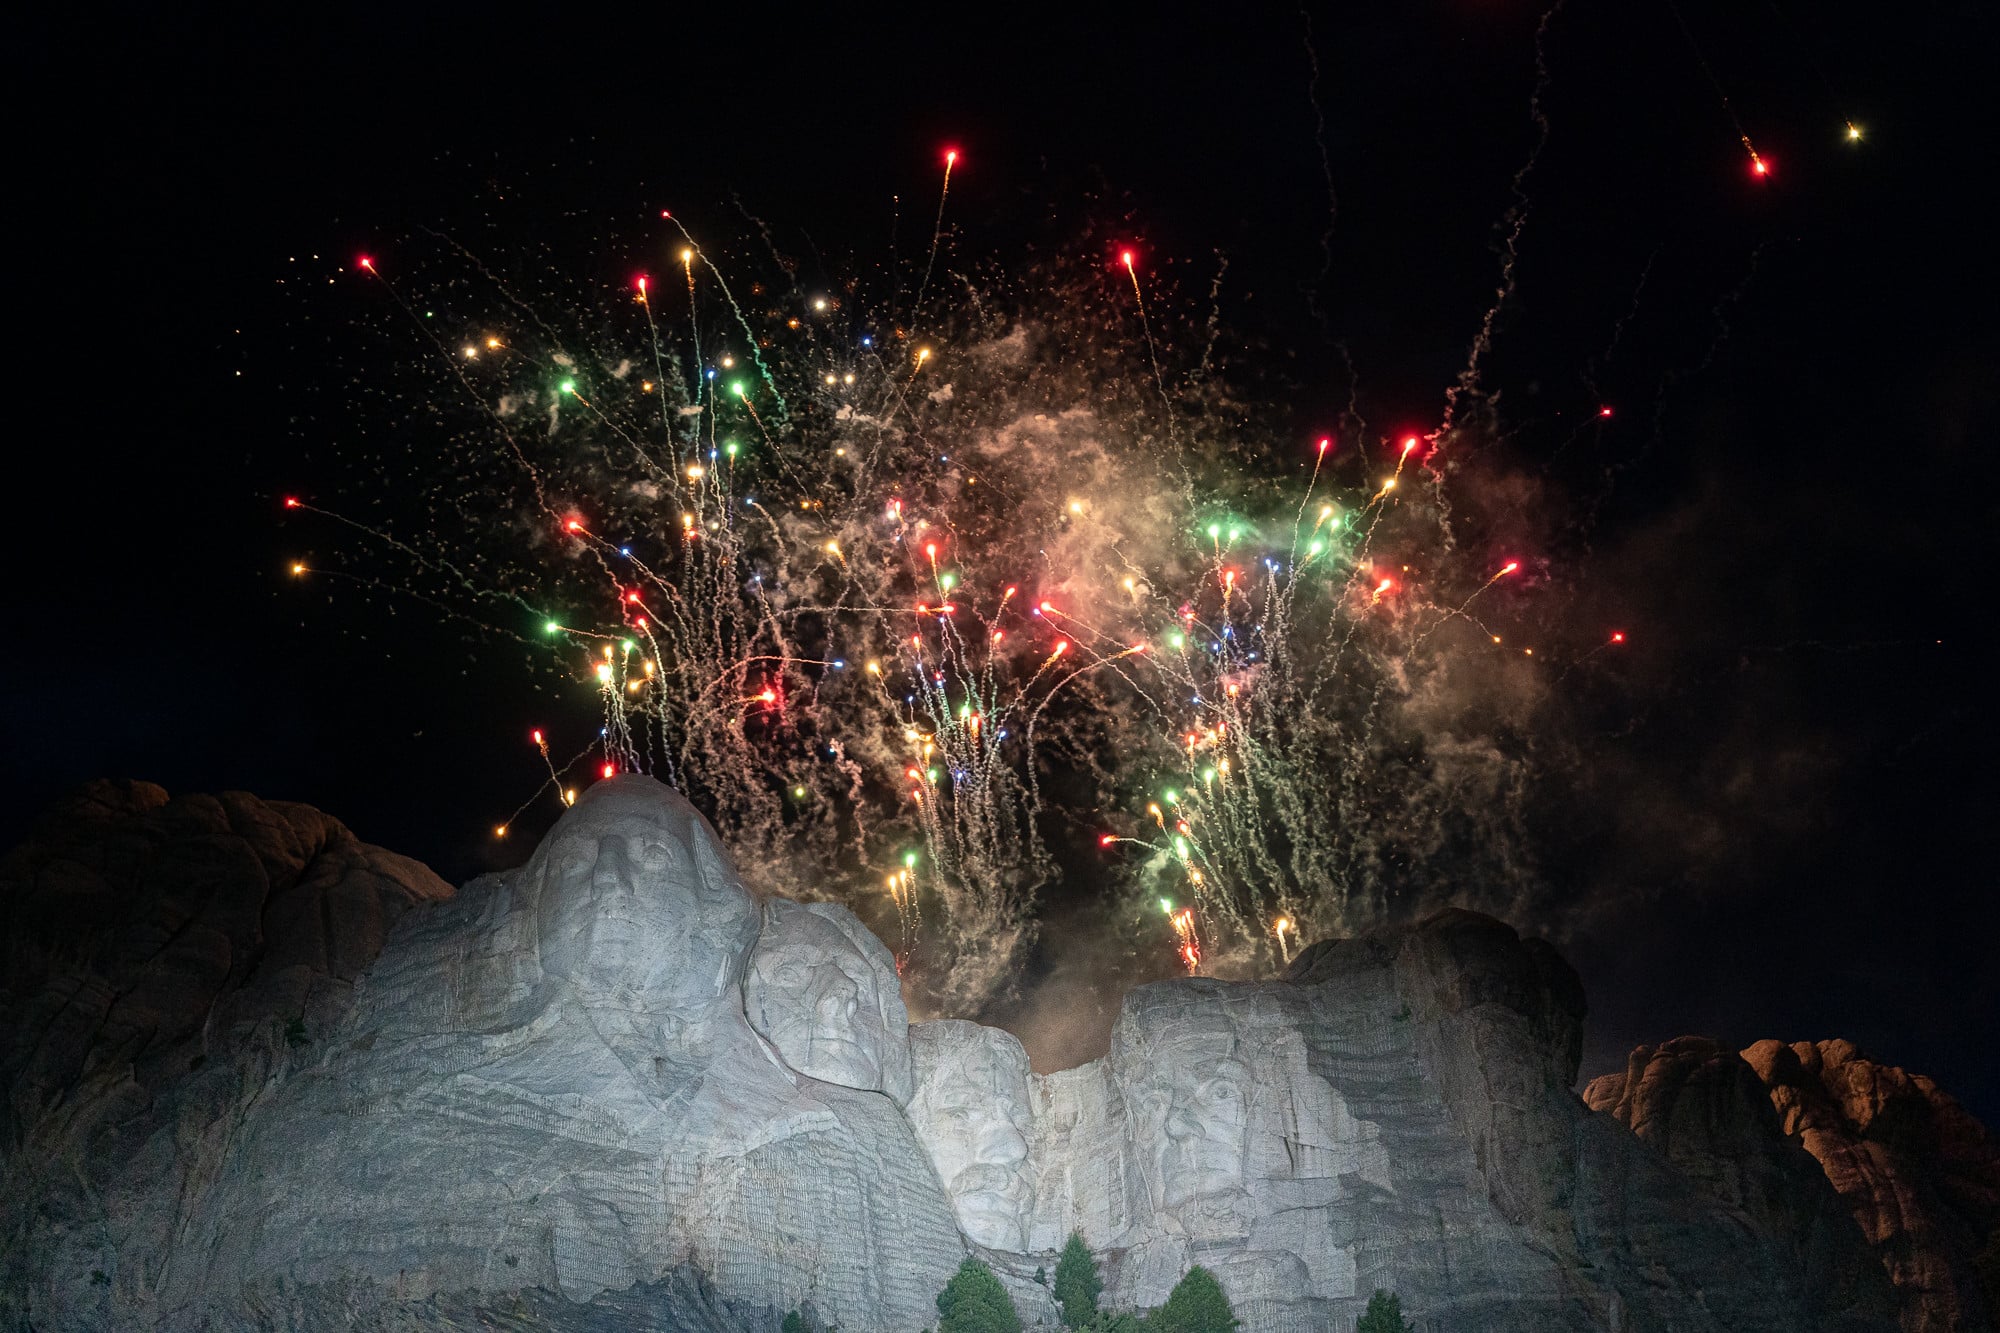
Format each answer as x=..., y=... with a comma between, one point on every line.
x=552, y=1082
x=164, y=958
x=614, y=1088
x=1705, y=1110
x=1394, y=1114
x=1818, y=1124
x=142, y=930
x=972, y=1113
x=823, y=990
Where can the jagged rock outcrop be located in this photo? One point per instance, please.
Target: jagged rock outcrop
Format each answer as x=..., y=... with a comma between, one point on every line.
x=137, y=924
x=616, y=1087
x=1914, y=1178
x=1703, y=1108
x=163, y=957
x=1921, y=1175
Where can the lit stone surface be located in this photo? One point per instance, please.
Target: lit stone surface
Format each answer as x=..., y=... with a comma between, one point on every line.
x=1398, y=1114
x=612, y=1089
x=824, y=991
x=971, y=1112
x=552, y=1083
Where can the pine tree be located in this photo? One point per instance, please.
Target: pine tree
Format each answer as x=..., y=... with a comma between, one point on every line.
x=1077, y=1284
x=794, y=1324
x=975, y=1302
x=1196, y=1305
x=1384, y=1315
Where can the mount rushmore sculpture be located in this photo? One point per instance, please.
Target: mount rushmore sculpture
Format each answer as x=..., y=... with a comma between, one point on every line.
x=616, y=1086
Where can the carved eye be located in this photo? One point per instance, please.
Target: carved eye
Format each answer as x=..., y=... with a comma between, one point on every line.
x=656, y=856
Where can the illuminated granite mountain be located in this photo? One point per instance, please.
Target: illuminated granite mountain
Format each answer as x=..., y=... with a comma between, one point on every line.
x=615, y=1088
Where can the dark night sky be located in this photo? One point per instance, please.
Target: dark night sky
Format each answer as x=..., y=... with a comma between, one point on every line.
x=1793, y=829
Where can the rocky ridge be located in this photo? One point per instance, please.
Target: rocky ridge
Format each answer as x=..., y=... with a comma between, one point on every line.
x=1818, y=1125
x=617, y=1086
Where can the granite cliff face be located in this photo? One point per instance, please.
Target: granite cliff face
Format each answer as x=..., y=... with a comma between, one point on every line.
x=616, y=1088
x=163, y=958
x=1891, y=1151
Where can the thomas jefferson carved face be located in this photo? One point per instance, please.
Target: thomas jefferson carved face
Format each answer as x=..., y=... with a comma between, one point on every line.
x=637, y=906
x=824, y=992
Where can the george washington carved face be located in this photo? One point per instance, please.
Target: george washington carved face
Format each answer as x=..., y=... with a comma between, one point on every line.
x=637, y=906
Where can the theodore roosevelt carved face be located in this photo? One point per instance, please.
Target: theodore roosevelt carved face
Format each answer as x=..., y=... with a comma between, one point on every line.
x=971, y=1111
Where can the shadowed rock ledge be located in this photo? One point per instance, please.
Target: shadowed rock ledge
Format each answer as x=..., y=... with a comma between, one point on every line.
x=263, y=1076
x=1818, y=1127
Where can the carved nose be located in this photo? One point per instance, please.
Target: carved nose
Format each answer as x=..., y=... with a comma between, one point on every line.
x=613, y=868
x=837, y=1006
x=1003, y=1143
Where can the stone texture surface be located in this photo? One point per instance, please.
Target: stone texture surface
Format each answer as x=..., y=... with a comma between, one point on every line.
x=163, y=958
x=1706, y=1111
x=1917, y=1176
x=971, y=1112
x=546, y=1096
x=824, y=991
x=551, y=1083
x=1920, y=1174
x=137, y=924
x=615, y=1089
x=1395, y=1114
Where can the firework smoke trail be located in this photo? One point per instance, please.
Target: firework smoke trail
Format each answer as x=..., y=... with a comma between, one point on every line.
x=1719, y=315
x=1214, y=326
x=785, y=639
x=1325, y=170
x=937, y=236
x=1127, y=258
x=857, y=631
x=1514, y=221
x=1290, y=676
x=1599, y=363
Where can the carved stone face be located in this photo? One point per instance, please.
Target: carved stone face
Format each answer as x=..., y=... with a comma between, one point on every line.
x=971, y=1112
x=637, y=907
x=1190, y=1087
x=824, y=991
x=1207, y=1126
